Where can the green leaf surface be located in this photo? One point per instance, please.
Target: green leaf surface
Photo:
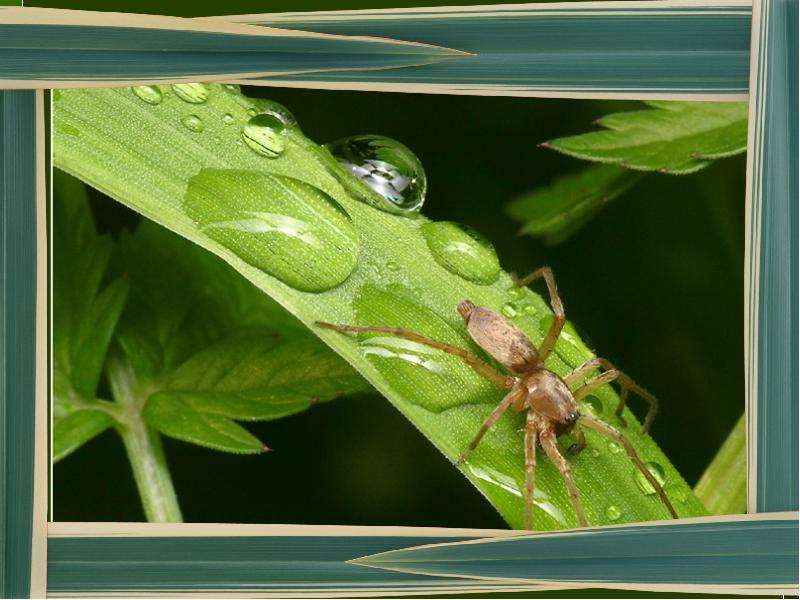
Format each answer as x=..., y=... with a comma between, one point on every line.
x=76, y=428
x=85, y=316
x=555, y=212
x=723, y=486
x=180, y=418
x=142, y=156
x=668, y=137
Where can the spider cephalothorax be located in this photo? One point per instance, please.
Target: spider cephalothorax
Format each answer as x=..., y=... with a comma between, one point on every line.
x=551, y=402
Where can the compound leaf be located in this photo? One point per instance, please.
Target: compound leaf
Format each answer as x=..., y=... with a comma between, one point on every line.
x=668, y=137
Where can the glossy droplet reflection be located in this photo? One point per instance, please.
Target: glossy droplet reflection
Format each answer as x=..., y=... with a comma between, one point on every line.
x=387, y=168
x=614, y=448
x=405, y=350
x=148, y=93
x=287, y=228
x=658, y=474
x=613, y=513
x=193, y=93
x=463, y=251
x=277, y=110
x=227, y=119
x=594, y=405
x=262, y=134
x=509, y=309
x=193, y=123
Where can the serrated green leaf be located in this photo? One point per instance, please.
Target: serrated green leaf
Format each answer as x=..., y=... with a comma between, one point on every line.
x=142, y=156
x=84, y=315
x=669, y=137
x=177, y=418
x=555, y=212
x=70, y=432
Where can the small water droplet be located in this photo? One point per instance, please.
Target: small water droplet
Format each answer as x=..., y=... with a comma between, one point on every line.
x=530, y=309
x=252, y=111
x=392, y=266
x=613, y=513
x=277, y=110
x=594, y=452
x=509, y=310
x=463, y=251
x=386, y=168
x=287, y=228
x=263, y=135
x=233, y=88
x=658, y=474
x=683, y=497
x=516, y=292
x=149, y=93
x=227, y=119
x=193, y=123
x=67, y=129
x=193, y=93
x=594, y=405
x=614, y=447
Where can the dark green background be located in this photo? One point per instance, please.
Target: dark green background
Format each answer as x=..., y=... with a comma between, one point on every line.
x=654, y=283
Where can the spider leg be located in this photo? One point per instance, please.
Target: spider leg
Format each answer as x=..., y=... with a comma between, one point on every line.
x=505, y=403
x=612, y=373
x=483, y=369
x=550, y=339
x=579, y=445
x=548, y=440
x=531, y=435
x=609, y=431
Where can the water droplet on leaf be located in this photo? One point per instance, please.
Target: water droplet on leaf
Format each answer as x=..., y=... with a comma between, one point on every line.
x=193, y=93
x=392, y=266
x=658, y=474
x=193, y=123
x=287, y=228
x=149, y=93
x=516, y=292
x=227, y=119
x=463, y=251
x=614, y=447
x=277, y=110
x=613, y=513
x=263, y=135
x=509, y=310
x=233, y=88
x=386, y=168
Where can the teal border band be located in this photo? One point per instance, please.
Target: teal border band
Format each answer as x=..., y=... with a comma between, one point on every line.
x=666, y=50
x=775, y=206
x=17, y=320
x=741, y=553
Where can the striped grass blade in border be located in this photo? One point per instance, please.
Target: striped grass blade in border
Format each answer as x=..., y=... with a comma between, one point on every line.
x=143, y=156
x=99, y=47
x=748, y=552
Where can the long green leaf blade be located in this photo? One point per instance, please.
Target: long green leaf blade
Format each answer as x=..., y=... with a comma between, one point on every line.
x=143, y=156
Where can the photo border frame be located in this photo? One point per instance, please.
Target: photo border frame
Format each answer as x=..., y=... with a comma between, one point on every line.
x=88, y=558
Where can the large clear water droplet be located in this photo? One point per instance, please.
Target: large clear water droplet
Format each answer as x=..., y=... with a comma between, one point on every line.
x=594, y=405
x=656, y=471
x=149, y=93
x=427, y=377
x=193, y=123
x=387, y=168
x=287, y=228
x=193, y=93
x=262, y=134
x=463, y=251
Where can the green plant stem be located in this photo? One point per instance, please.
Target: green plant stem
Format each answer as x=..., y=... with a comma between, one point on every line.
x=144, y=449
x=723, y=486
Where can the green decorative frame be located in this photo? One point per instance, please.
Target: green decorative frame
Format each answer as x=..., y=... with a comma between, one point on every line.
x=711, y=47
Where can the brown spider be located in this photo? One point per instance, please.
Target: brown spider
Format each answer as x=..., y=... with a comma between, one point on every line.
x=552, y=407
